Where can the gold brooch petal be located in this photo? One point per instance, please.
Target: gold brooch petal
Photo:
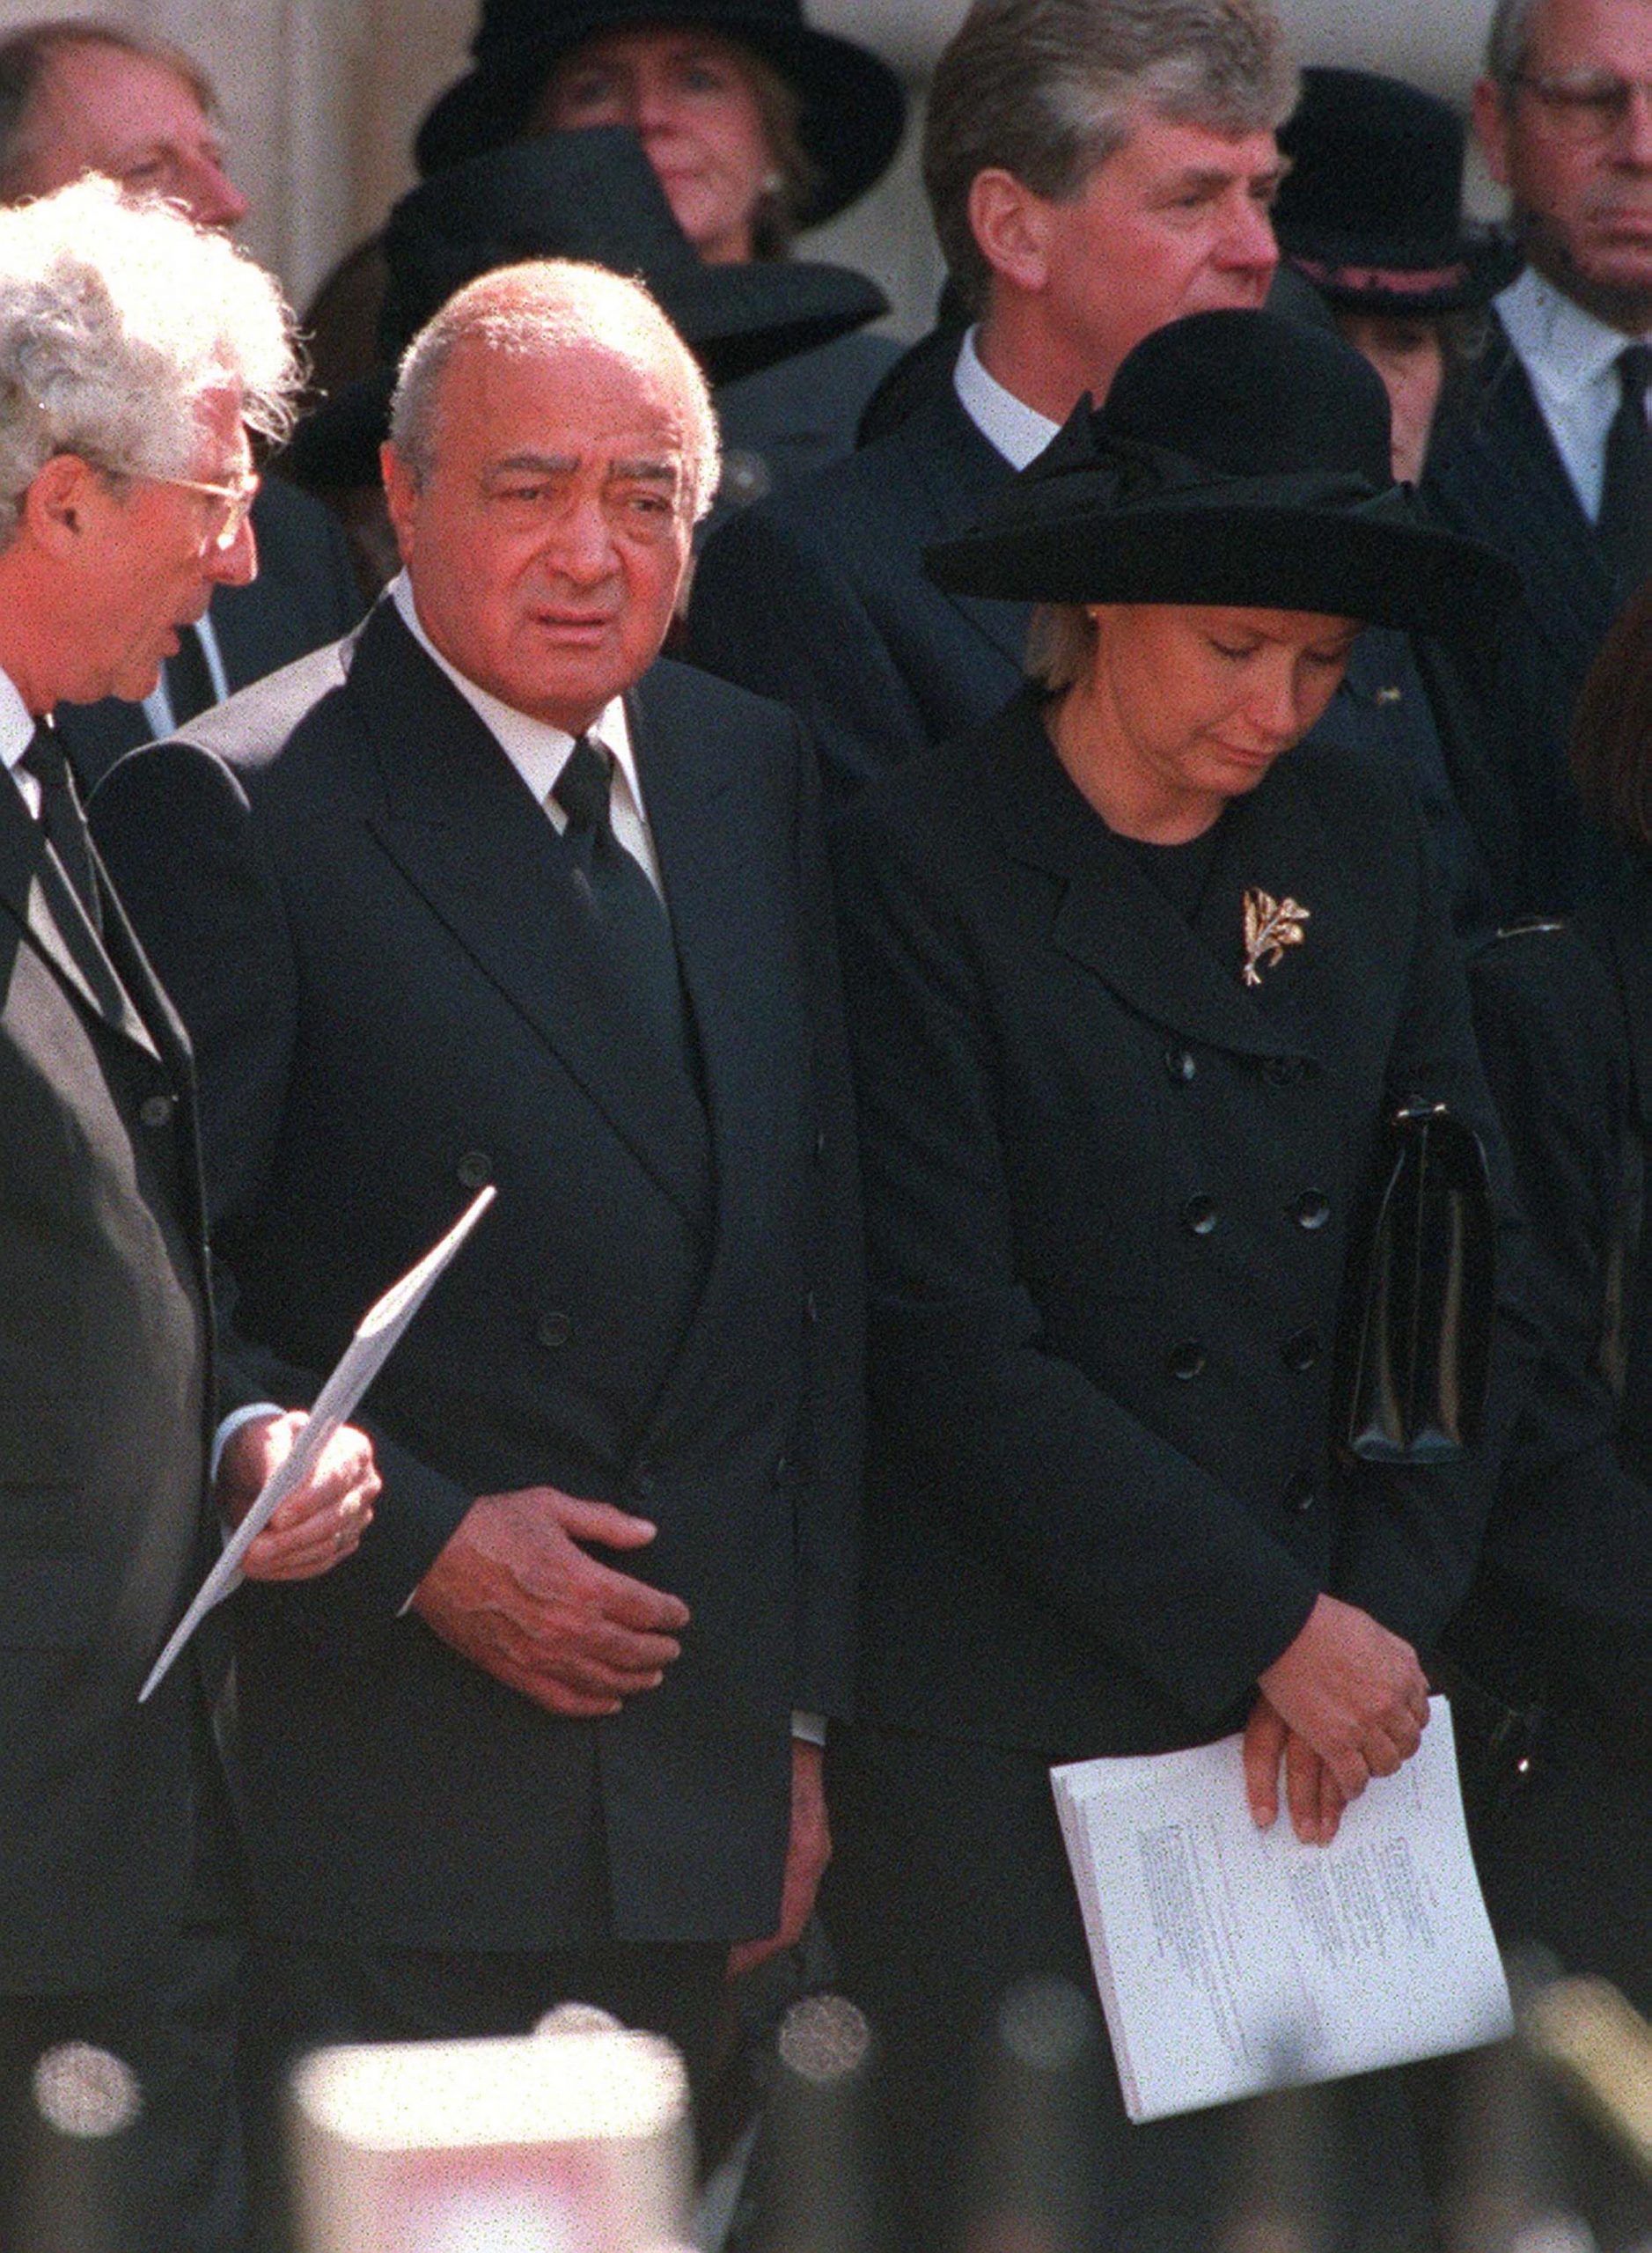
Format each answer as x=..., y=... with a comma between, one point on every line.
x=1270, y=926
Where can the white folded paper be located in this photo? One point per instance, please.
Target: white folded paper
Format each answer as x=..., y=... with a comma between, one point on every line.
x=1230, y=1960
x=377, y=1336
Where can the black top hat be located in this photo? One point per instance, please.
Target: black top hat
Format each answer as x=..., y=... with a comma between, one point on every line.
x=1241, y=459
x=1371, y=209
x=594, y=195
x=852, y=108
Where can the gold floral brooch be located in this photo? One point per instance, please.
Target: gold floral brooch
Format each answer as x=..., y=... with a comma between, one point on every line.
x=1270, y=926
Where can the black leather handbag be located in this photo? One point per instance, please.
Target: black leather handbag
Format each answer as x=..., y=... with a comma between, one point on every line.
x=1419, y=1347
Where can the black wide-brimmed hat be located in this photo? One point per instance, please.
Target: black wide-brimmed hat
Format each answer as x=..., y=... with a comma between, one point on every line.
x=851, y=105
x=594, y=195
x=1241, y=460
x=1371, y=209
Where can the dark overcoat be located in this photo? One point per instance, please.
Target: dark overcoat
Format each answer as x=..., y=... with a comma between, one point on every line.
x=104, y=1386
x=1111, y=1195
x=378, y=942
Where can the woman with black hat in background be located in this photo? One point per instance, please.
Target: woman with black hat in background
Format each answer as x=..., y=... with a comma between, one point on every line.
x=757, y=125
x=1134, y=994
x=1370, y=216
x=1371, y=212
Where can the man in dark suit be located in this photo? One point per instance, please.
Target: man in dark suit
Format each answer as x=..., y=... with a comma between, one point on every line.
x=1068, y=248
x=134, y=354
x=1550, y=455
x=486, y=893
x=79, y=98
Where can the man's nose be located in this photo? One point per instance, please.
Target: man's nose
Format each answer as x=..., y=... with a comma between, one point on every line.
x=1249, y=242
x=212, y=197
x=236, y=565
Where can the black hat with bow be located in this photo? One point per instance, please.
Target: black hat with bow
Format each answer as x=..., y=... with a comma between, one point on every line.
x=1240, y=460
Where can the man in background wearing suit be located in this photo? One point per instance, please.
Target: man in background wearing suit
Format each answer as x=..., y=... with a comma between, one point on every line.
x=1550, y=456
x=486, y=893
x=1095, y=168
x=81, y=96
x=136, y=354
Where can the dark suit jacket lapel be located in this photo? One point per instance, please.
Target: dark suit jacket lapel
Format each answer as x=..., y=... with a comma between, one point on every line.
x=1501, y=475
x=701, y=812
x=1114, y=920
x=36, y=892
x=468, y=837
x=959, y=474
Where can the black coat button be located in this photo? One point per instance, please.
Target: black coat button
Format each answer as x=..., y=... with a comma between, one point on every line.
x=1285, y=1071
x=1199, y=1216
x=819, y=1144
x=1184, y=1362
x=554, y=1329
x=1312, y=1210
x=1298, y=1497
x=157, y=1110
x=641, y=1484
x=1179, y=1063
x=474, y=1170
x=1300, y=1352
x=811, y=1310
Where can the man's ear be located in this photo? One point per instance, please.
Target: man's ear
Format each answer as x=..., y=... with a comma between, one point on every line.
x=401, y=494
x=1491, y=127
x=56, y=507
x=1011, y=224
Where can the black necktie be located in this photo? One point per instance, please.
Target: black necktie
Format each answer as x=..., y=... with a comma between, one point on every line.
x=61, y=818
x=189, y=688
x=635, y=929
x=1624, y=523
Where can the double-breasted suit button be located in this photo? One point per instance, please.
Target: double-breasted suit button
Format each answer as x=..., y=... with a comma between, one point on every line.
x=819, y=1145
x=553, y=1329
x=640, y=1485
x=1199, y=1216
x=1185, y=1361
x=1298, y=1497
x=1180, y=1065
x=1300, y=1352
x=474, y=1170
x=157, y=1110
x=784, y=1465
x=1285, y=1071
x=810, y=1310
x=1312, y=1210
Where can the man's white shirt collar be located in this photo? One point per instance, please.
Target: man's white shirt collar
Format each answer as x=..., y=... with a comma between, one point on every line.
x=17, y=729
x=1012, y=427
x=540, y=752
x=1570, y=357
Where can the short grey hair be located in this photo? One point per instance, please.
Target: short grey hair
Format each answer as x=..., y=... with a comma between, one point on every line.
x=1509, y=41
x=538, y=309
x=1046, y=90
x=26, y=56
x=115, y=318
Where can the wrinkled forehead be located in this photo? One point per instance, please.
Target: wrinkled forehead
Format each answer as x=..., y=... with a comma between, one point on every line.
x=591, y=394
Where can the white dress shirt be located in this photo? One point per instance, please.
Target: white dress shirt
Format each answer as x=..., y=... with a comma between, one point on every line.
x=17, y=731
x=1570, y=359
x=1009, y=426
x=157, y=705
x=540, y=752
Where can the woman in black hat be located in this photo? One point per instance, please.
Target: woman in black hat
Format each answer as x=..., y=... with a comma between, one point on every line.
x=1370, y=213
x=756, y=124
x=1135, y=988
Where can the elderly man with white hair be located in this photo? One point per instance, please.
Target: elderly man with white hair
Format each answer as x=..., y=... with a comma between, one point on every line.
x=136, y=353
x=493, y=892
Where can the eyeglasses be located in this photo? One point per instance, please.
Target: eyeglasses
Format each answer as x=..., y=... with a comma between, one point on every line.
x=233, y=505
x=1587, y=109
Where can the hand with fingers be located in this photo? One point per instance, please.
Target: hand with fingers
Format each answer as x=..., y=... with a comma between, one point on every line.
x=516, y=1592
x=1345, y=1701
x=320, y=1522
